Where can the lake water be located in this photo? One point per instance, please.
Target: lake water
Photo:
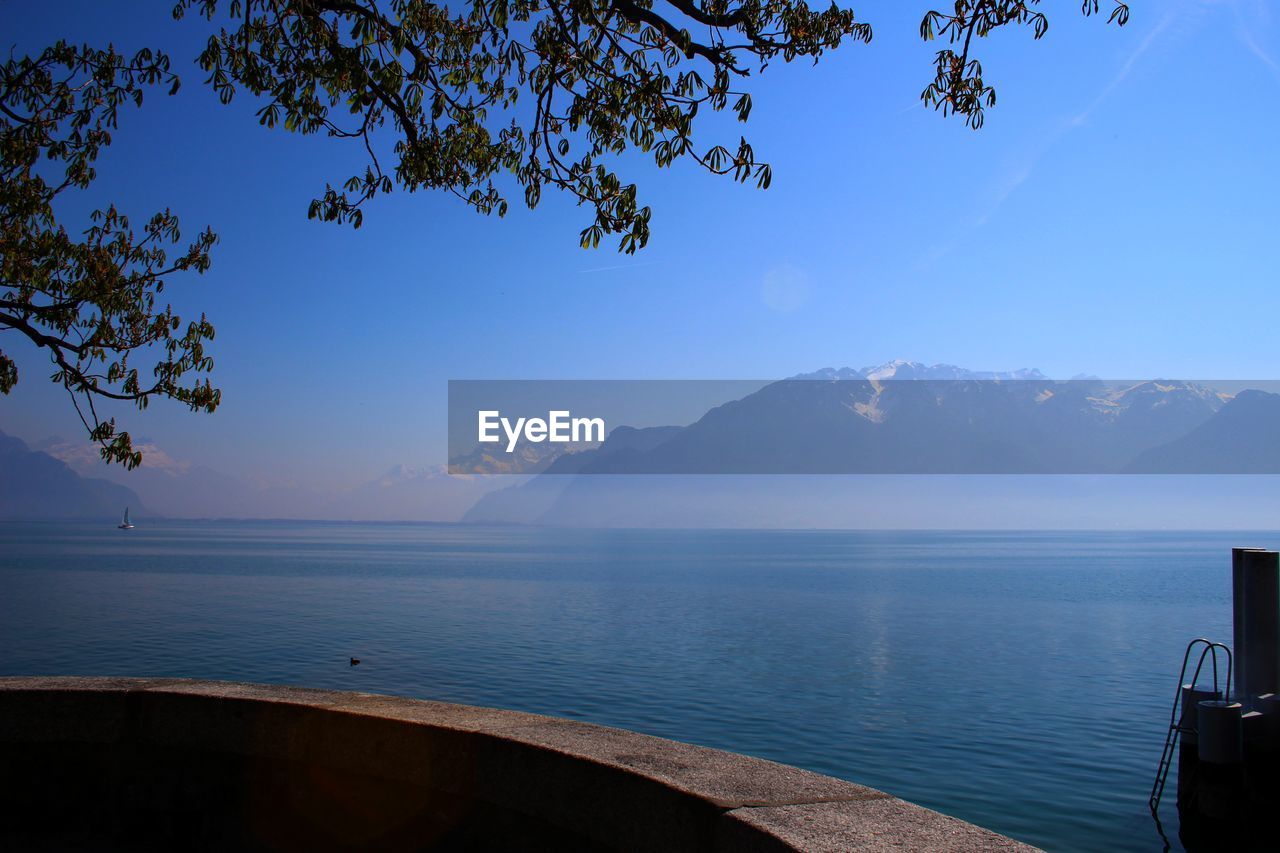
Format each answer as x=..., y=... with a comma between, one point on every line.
x=1021, y=681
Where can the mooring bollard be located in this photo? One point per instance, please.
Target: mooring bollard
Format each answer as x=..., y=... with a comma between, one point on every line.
x=1220, y=777
x=1192, y=696
x=1221, y=732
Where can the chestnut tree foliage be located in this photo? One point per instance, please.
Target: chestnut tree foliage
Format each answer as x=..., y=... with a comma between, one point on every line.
x=484, y=99
x=90, y=298
x=546, y=92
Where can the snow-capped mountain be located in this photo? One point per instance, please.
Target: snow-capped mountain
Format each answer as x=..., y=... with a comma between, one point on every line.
x=907, y=417
x=856, y=423
x=901, y=369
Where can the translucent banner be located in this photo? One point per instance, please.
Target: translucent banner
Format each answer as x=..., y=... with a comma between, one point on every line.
x=831, y=424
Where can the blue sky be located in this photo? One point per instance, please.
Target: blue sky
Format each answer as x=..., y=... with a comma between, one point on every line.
x=1115, y=216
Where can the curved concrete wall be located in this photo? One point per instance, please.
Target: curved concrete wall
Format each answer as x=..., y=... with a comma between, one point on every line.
x=137, y=762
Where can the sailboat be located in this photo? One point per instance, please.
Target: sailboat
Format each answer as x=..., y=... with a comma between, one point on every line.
x=126, y=524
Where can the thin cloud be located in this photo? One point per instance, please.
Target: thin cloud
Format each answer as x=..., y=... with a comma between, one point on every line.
x=1017, y=175
x=619, y=267
x=1244, y=32
x=1126, y=69
x=1020, y=172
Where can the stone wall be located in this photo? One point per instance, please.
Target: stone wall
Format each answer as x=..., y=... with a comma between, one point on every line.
x=90, y=763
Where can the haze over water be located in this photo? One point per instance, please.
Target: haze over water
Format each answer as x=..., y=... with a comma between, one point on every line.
x=1021, y=681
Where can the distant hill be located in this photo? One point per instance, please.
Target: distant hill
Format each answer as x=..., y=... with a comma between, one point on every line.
x=528, y=502
x=188, y=490
x=525, y=459
x=925, y=426
x=1242, y=438
x=36, y=486
x=854, y=422
x=416, y=494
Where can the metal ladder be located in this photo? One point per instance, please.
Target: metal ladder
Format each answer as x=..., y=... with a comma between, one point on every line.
x=1176, y=728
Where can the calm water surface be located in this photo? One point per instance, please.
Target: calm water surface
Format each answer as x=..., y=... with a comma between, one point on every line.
x=1018, y=680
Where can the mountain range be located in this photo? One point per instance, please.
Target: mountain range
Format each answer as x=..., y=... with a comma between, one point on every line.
x=37, y=486
x=59, y=479
x=908, y=418
x=869, y=422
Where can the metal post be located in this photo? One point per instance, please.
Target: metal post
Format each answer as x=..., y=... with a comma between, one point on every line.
x=1221, y=732
x=1255, y=592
